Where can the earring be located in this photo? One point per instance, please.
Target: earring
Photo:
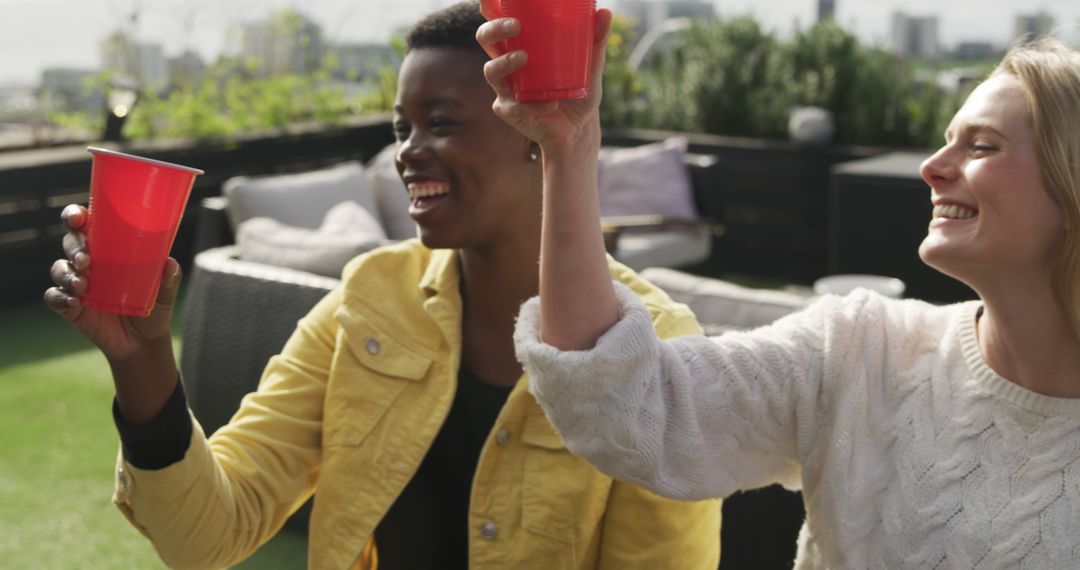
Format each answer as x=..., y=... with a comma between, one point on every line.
x=534, y=152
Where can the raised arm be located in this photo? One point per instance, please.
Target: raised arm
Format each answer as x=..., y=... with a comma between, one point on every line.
x=577, y=300
x=139, y=350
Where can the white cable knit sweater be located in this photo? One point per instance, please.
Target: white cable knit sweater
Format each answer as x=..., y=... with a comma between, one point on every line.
x=909, y=450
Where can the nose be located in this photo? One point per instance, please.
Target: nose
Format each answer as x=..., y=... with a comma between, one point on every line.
x=411, y=148
x=939, y=168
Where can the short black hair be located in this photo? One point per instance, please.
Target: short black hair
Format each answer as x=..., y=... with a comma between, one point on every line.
x=452, y=27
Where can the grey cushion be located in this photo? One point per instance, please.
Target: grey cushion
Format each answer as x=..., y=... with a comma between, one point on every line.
x=347, y=231
x=391, y=197
x=300, y=200
x=722, y=305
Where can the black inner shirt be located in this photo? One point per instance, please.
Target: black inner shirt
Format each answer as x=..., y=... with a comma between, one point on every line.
x=427, y=527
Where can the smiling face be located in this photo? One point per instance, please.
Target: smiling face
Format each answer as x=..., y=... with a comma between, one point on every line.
x=467, y=172
x=992, y=217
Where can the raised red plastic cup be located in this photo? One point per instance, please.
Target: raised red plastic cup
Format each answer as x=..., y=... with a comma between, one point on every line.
x=135, y=209
x=558, y=36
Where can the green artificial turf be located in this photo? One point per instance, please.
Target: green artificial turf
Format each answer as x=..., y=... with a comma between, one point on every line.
x=57, y=453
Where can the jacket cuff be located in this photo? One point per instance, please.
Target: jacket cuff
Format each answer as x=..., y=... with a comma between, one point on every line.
x=162, y=441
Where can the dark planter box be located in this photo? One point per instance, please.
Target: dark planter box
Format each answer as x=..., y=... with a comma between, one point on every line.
x=880, y=208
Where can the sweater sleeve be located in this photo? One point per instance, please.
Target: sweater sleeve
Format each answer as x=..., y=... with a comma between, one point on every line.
x=690, y=417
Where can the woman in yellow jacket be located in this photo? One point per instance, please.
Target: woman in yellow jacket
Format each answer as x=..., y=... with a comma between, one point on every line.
x=398, y=398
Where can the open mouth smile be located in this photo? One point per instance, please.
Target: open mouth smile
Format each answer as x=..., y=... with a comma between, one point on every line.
x=426, y=195
x=952, y=211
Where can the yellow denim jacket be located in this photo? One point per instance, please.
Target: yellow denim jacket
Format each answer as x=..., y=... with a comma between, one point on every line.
x=351, y=406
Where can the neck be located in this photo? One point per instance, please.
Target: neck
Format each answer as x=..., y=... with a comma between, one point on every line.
x=494, y=284
x=496, y=280
x=1027, y=339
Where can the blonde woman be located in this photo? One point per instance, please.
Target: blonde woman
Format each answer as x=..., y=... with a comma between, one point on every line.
x=921, y=436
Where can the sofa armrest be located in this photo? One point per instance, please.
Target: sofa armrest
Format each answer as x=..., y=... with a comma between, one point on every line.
x=722, y=305
x=707, y=183
x=660, y=223
x=236, y=316
x=212, y=227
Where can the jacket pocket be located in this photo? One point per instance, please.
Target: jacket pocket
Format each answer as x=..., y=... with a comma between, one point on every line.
x=563, y=497
x=372, y=369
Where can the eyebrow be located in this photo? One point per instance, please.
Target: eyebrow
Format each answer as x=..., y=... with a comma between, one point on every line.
x=433, y=102
x=975, y=127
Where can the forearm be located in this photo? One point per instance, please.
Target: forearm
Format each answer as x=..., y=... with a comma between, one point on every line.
x=145, y=381
x=577, y=300
x=689, y=417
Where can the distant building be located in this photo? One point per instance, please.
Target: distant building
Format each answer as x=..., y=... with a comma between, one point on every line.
x=975, y=51
x=186, y=69
x=651, y=14
x=826, y=10
x=153, y=65
x=144, y=63
x=362, y=62
x=15, y=100
x=1071, y=35
x=915, y=36
x=286, y=43
x=70, y=89
x=1033, y=26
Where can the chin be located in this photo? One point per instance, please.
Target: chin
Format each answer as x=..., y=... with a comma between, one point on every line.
x=935, y=254
x=949, y=261
x=437, y=240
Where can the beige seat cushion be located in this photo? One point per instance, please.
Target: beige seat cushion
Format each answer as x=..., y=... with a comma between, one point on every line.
x=348, y=230
x=722, y=305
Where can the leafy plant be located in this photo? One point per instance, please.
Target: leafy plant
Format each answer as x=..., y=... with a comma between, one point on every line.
x=731, y=77
x=623, y=90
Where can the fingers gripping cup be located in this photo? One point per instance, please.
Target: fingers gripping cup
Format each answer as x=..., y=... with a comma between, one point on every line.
x=558, y=36
x=135, y=209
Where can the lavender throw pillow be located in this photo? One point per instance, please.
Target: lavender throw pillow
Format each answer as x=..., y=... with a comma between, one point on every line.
x=649, y=179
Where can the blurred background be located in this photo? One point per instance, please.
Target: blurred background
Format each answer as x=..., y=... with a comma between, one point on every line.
x=806, y=122
x=889, y=71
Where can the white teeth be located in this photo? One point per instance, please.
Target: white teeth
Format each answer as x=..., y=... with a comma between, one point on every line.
x=953, y=211
x=427, y=190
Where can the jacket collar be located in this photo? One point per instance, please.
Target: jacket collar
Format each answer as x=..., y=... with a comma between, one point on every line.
x=442, y=275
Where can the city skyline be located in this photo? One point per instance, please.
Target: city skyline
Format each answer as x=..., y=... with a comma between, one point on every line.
x=75, y=28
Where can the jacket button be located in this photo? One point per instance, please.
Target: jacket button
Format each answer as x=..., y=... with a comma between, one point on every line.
x=503, y=436
x=489, y=531
x=372, y=346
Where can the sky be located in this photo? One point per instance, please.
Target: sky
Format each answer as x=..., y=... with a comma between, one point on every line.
x=35, y=34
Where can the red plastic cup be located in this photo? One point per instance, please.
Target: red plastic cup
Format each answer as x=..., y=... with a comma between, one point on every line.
x=558, y=37
x=135, y=209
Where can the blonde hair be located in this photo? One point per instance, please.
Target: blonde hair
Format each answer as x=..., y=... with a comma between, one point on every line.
x=1050, y=74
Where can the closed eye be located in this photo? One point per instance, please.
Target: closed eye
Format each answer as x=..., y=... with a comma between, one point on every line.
x=442, y=126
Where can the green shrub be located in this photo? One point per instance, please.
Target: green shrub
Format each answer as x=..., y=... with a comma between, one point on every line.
x=622, y=87
x=730, y=77
x=234, y=98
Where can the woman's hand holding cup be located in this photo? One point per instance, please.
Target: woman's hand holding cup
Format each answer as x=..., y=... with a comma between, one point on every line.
x=118, y=336
x=560, y=126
